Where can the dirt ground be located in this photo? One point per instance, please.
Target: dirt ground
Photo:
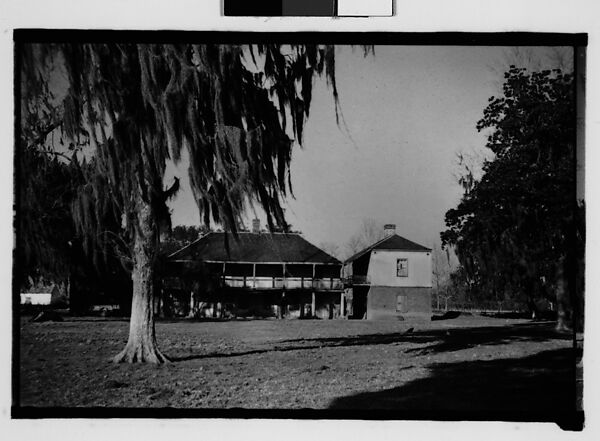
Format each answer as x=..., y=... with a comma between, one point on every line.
x=469, y=363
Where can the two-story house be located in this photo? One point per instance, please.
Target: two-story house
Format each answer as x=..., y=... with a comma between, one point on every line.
x=258, y=273
x=390, y=279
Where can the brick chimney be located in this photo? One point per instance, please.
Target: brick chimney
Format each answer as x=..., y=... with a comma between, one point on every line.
x=389, y=230
x=255, y=225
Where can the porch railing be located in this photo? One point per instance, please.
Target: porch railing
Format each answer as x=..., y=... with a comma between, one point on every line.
x=283, y=283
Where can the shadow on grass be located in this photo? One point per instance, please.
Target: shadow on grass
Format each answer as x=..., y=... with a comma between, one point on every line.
x=434, y=341
x=540, y=387
x=465, y=338
x=452, y=339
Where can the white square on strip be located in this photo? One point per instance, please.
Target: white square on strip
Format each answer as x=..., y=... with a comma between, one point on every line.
x=368, y=8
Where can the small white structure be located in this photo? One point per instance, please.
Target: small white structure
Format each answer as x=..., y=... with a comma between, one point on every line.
x=41, y=296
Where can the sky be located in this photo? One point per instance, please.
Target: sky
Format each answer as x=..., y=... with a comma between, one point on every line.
x=408, y=111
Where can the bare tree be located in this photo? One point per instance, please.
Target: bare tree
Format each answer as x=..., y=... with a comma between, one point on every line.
x=532, y=59
x=438, y=272
x=443, y=263
x=369, y=232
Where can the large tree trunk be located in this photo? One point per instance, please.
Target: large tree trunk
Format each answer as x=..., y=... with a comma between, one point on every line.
x=141, y=346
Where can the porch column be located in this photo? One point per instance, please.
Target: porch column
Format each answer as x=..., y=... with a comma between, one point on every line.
x=282, y=305
x=191, y=314
x=284, y=279
x=254, y=275
x=314, y=282
x=217, y=312
x=342, y=305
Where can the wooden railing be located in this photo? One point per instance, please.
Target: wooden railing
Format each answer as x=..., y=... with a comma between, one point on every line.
x=282, y=283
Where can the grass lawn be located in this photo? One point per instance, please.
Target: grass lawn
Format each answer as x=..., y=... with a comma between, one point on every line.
x=472, y=364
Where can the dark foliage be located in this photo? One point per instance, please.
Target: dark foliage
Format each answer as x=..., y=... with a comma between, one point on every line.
x=237, y=111
x=46, y=187
x=181, y=236
x=514, y=228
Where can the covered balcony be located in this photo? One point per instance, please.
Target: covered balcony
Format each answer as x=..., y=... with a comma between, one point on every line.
x=279, y=276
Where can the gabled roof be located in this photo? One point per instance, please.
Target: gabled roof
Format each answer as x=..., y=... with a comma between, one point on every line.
x=394, y=242
x=254, y=248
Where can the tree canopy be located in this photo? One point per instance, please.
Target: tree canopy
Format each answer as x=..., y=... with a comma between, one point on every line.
x=236, y=109
x=229, y=105
x=45, y=225
x=515, y=226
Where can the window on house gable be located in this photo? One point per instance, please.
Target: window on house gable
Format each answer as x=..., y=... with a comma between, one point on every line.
x=402, y=267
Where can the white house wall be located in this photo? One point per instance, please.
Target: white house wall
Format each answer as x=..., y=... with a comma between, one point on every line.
x=36, y=298
x=382, y=268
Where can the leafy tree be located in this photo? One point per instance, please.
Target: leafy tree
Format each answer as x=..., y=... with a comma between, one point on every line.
x=49, y=246
x=139, y=105
x=48, y=180
x=516, y=228
x=44, y=190
x=44, y=221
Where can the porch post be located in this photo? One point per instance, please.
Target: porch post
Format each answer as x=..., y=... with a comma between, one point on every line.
x=284, y=278
x=217, y=310
x=313, y=305
x=282, y=305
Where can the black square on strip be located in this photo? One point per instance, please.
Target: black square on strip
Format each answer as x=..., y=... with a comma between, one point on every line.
x=256, y=8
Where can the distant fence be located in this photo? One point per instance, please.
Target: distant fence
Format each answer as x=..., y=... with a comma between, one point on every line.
x=481, y=307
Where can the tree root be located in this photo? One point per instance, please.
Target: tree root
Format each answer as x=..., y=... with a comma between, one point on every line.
x=140, y=354
x=563, y=328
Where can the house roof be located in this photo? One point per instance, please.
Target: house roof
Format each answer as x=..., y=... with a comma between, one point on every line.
x=254, y=248
x=393, y=242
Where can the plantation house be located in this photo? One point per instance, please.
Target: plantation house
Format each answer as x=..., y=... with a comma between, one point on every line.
x=390, y=279
x=256, y=274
